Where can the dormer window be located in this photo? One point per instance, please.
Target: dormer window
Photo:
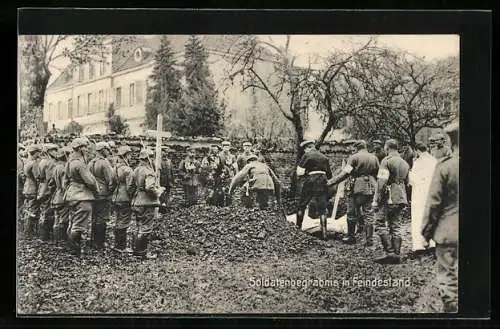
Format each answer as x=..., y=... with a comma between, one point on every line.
x=138, y=55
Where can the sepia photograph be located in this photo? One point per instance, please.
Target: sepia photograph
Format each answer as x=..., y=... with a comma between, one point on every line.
x=238, y=174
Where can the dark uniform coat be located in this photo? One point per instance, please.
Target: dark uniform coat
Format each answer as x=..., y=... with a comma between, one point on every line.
x=122, y=173
x=58, y=182
x=441, y=216
x=44, y=174
x=396, y=169
x=141, y=186
x=102, y=170
x=31, y=178
x=363, y=167
x=82, y=185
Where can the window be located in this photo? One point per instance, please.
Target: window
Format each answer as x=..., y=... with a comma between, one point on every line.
x=91, y=70
x=59, y=111
x=89, y=103
x=79, y=105
x=51, y=112
x=101, y=68
x=101, y=100
x=70, y=108
x=118, y=97
x=139, y=91
x=131, y=100
x=80, y=73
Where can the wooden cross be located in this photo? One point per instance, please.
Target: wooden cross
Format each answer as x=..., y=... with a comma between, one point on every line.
x=159, y=134
x=338, y=195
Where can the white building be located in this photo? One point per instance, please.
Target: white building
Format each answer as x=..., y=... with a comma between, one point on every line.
x=83, y=93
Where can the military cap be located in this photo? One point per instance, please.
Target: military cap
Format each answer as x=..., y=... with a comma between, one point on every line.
x=21, y=146
x=377, y=141
x=247, y=144
x=122, y=150
x=226, y=143
x=360, y=144
x=145, y=153
x=78, y=142
x=251, y=157
x=35, y=148
x=451, y=128
x=60, y=154
x=439, y=137
x=22, y=153
x=49, y=146
x=101, y=145
x=305, y=143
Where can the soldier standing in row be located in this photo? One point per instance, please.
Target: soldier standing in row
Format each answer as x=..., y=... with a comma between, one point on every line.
x=121, y=199
x=61, y=211
x=80, y=193
x=262, y=182
x=378, y=150
x=103, y=172
x=142, y=186
x=190, y=169
x=211, y=168
x=166, y=177
x=45, y=191
x=314, y=169
x=389, y=201
x=246, y=198
x=20, y=184
x=362, y=167
x=30, y=190
x=227, y=171
x=441, y=221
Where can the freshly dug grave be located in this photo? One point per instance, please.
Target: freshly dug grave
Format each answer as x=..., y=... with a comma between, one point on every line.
x=231, y=233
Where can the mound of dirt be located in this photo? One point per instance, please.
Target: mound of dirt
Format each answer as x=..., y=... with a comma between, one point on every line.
x=233, y=233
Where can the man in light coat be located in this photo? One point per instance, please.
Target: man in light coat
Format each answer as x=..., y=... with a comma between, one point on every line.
x=420, y=179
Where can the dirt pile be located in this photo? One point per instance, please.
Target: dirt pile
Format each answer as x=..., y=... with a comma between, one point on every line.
x=233, y=233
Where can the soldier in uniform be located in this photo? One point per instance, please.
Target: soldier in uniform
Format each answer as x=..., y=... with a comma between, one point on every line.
x=211, y=168
x=262, y=182
x=227, y=158
x=121, y=199
x=113, y=156
x=20, y=183
x=190, y=169
x=389, y=200
x=440, y=149
x=58, y=182
x=441, y=221
x=30, y=190
x=102, y=170
x=241, y=161
x=80, y=193
x=314, y=169
x=378, y=150
x=142, y=186
x=166, y=177
x=227, y=171
x=362, y=169
x=45, y=191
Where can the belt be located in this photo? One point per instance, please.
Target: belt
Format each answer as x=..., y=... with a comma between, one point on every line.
x=317, y=172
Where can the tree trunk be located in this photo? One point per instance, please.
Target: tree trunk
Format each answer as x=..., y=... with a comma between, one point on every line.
x=324, y=133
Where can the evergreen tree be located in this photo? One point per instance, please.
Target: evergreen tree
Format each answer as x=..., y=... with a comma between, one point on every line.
x=201, y=114
x=165, y=92
x=115, y=122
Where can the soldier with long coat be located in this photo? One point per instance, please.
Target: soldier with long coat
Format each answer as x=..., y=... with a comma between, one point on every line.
x=101, y=169
x=58, y=183
x=190, y=169
x=30, y=190
x=80, y=193
x=441, y=221
x=121, y=199
x=142, y=186
x=44, y=195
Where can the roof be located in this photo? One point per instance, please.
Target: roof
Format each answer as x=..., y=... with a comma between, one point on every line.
x=151, y=43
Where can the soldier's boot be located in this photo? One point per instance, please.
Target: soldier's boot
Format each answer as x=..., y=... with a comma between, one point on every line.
x=93, y=235
x=396, y=246
x=56, y=237
x=75, y=243
x=329, y=210
x=100, y=236
x=141, y=248
x=31, y=227
x=385, y=239
x=63, y=234
x=351, y=229
x=300, y=219
x=323, y=227
x=42, y=228
x=369, y=235
x=120, y=240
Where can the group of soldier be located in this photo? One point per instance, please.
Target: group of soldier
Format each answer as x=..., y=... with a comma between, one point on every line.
x=376, y=187
x=67, y=191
